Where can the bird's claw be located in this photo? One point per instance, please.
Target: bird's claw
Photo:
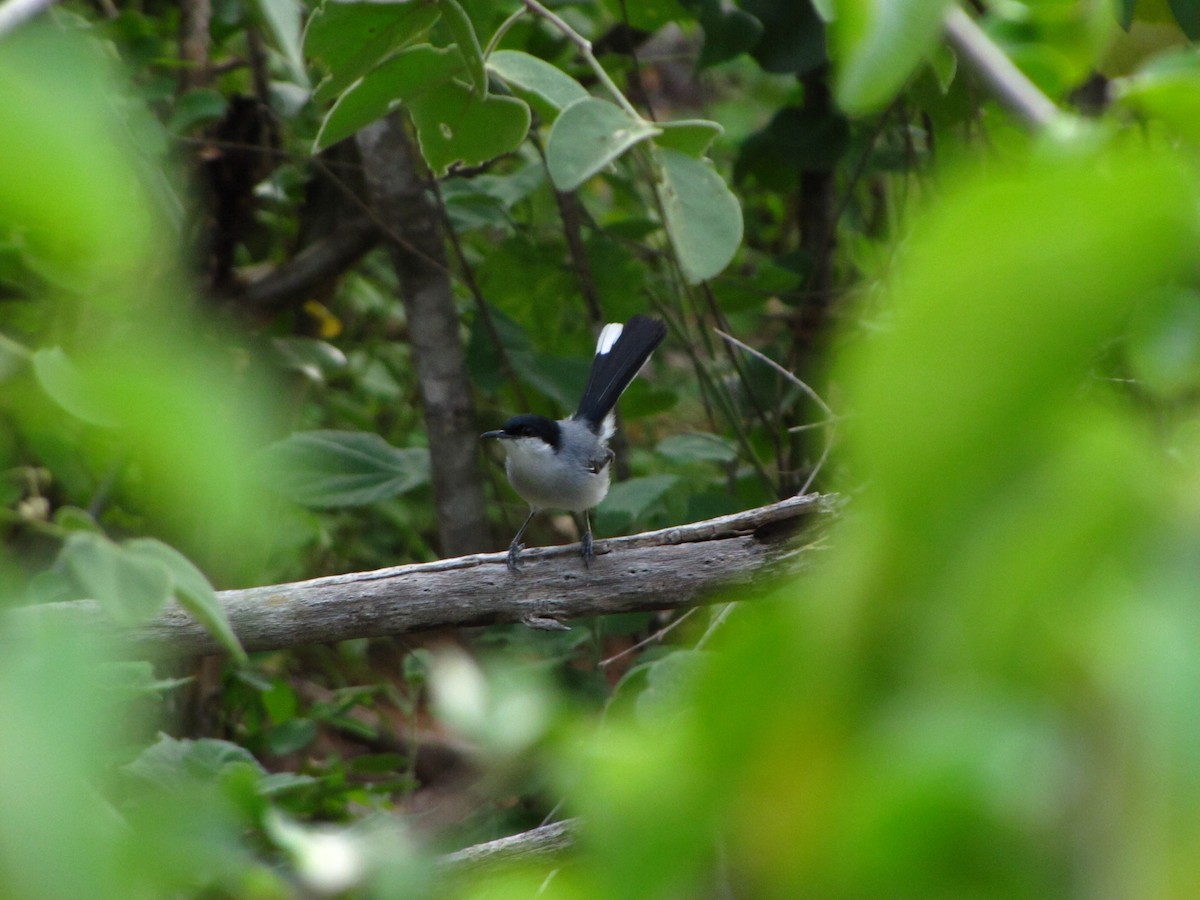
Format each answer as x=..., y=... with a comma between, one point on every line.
x=586, y=549
x=514, y=557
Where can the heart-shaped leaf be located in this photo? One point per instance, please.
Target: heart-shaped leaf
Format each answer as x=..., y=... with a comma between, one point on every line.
x=548, y=89
x=456, y=125
x=703, y=218
x=348, y=40
x=587, y=136
x=405, y=76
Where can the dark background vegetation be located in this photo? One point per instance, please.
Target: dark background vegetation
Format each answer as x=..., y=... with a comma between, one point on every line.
x=260, y=293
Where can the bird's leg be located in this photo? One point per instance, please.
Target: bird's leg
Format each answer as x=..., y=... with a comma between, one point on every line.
x=585, y=543
x=515, y=548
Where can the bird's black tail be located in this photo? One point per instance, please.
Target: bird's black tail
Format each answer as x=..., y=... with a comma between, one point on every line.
x=616, y=365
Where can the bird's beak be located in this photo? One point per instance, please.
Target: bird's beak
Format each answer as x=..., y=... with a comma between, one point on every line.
x=492, y=434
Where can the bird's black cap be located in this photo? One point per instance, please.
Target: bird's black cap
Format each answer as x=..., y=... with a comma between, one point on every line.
x=529, y=426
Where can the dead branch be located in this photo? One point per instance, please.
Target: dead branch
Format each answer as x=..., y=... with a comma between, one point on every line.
x=544, y=841
x=667, y=569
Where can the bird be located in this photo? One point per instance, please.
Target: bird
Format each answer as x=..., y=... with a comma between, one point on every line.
x=567, y=464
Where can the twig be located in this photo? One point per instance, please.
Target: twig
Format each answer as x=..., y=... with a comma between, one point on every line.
x=657, y=636
x=292, y=282
x=13, y=13
x=543, y=841
x=830, y=418
x=585, y=49
x=1010, y=85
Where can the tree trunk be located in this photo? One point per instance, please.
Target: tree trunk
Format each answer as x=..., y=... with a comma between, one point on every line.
x=412, y=228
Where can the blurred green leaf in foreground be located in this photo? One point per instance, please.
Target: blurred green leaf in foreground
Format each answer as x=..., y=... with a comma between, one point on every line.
x=988, y=688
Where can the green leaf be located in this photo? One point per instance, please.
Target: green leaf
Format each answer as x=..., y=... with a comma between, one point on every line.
x=1187, y=14
x=196, y=107
x=283, y=18
x=378, y=763
x=463, y=31
x=1167, y=91
x=62, y=380
x=587, y=136
x=291, y=736
x=403, y=77
x=796, y=139
x=72, y=518
x=276, y=783
x=134, y=679
x=727, y=33
x=349, y=39
x=192, y=590
x=543, y=86
x=1164, y=345
x=667, y=685
x=130, y=587
x=1028, y=336
x=310, y=357
x=341, y=468
x=635, y=496
x=792, y=41
x=700, y=447
x=646, y=15
x=1125, y=12
x=455, y=125
x=943, y=62
x=703, y=218
x=690, y=136
x=171, y=762
x=879, y=45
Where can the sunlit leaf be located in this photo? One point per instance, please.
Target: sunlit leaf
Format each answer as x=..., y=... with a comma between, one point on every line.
x=68, y=184
x=879, y=45
x=703, y=217
x=547, y=88
x=457, y=126
x=587, y=136
x=62, y=380
x=130, y=587
x=403, y=77
x=467, y=42
x=192, y=590
x=283, y=18
x=170, y=762
x=350, y=39
x=689, y=136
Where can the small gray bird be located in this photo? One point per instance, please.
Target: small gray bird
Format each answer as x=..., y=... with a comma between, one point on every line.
x=565, y=464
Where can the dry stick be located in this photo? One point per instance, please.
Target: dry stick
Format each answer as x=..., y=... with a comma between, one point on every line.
x=658, y=635
x=1010, y=85
x=813, y=395
x=529, y=845
x=667, y=569
x=585, y=48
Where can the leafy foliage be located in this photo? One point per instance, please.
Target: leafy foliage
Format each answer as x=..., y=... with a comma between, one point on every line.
x=984, y=687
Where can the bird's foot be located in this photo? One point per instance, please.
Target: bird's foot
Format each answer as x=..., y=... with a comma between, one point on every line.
x=514, y=557
x=586, y=549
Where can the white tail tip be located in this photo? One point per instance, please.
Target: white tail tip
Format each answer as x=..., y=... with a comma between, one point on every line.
x=608, y=336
